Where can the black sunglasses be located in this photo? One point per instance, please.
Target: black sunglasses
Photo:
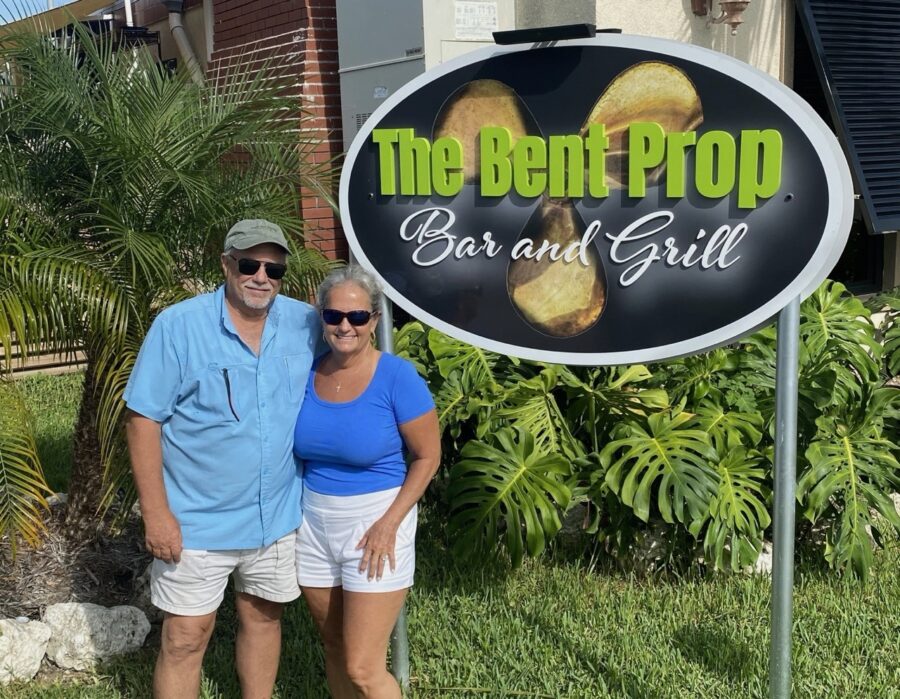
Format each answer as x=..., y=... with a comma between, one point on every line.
x=274, y=270
x=332, y=316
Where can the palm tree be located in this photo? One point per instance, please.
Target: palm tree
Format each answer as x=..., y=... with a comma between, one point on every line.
x=118, y=181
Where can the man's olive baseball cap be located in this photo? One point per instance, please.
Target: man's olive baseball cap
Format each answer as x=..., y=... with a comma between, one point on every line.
x=255, y=231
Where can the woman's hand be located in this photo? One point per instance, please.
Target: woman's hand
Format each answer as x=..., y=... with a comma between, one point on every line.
x=378, y=548
x=422, y=437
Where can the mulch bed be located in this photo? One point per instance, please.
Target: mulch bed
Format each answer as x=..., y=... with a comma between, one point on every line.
x=105, y=571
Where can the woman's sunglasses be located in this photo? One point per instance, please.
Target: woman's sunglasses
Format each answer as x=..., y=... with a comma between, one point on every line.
x=274, y=270
x=332, y=316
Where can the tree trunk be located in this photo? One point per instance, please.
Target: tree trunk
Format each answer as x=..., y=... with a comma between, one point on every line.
x=86, y=486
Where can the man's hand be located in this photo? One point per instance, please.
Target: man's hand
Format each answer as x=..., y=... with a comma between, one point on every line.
x=162, y=536
x=162, y=532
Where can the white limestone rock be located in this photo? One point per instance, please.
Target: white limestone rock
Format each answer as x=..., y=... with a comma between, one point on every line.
x=763, y=565
x=57, y=500
x=651, y=550
x=83, y=633
x=22, y=647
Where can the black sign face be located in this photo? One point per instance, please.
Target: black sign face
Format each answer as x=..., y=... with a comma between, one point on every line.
x=608, y=201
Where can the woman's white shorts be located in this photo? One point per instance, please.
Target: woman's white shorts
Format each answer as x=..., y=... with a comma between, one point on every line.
x=332, y=527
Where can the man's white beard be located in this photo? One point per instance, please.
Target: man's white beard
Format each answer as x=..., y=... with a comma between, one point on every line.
x=252, y=301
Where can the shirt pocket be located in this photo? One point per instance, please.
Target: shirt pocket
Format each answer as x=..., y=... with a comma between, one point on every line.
x=296, y=372
x=221, y=393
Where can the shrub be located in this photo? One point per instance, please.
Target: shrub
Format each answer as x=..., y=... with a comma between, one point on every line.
x=686, y=445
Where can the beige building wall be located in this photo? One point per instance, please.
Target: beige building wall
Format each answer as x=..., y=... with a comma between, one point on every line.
x=764, y=40
x=445, y=40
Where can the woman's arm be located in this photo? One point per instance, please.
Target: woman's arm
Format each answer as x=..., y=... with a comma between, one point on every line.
x=422, y=437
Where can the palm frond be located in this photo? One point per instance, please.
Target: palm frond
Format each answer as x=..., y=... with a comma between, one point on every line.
x=22, y=484
x=306, y=270
x=117, y=184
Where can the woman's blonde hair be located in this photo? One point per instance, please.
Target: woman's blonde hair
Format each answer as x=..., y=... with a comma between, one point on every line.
x=354, y=274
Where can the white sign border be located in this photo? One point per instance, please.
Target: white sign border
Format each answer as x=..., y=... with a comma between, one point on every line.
x=834, y=238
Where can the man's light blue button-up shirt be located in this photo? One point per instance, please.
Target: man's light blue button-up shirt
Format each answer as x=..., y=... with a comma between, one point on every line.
x=227, y=417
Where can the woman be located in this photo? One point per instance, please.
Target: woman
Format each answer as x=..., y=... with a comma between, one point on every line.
x=362, y=413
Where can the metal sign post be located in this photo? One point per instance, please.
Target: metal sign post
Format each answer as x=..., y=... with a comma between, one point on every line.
x=399, y=638
x=786, y=380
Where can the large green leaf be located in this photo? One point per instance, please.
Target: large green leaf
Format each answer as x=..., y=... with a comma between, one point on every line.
x=411, y=343
x=892, y=346
x=662, y=458
x=817, y=380
x=532, y=405
x=738, y=512
x=728, y=429
x=835, y=324
x=838, y=335
x=850, y=474
x=888, y=303
x=459, y=400
x=598, y=397
x=506, y=488
x=451, y=355
x=696, y=376
x=475, y=383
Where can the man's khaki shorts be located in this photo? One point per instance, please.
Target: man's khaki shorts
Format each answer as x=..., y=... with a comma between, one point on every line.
x=196, y=584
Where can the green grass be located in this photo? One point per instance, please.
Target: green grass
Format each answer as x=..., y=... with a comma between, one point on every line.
x=53, y=402
x=559, y=628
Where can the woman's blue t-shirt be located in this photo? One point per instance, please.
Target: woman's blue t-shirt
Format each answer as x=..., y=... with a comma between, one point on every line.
x=355, y=447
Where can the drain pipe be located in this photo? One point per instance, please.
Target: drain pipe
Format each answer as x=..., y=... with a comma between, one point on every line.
x=175, y=8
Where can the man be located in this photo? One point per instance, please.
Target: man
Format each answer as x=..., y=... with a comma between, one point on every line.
x=212, y=403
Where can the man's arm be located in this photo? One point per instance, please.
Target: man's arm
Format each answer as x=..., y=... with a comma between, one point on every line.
x=162, y=533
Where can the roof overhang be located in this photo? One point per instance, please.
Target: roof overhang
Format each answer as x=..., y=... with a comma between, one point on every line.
x=58, y=17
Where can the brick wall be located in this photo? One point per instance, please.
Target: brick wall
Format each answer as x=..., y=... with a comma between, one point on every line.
x=302, y=36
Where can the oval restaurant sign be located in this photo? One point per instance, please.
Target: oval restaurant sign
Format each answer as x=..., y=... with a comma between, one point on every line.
x=604, y=201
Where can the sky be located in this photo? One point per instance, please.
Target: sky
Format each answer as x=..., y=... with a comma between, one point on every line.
x=11, y=10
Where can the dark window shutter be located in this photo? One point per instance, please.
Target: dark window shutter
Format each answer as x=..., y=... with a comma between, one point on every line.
x=856, y=49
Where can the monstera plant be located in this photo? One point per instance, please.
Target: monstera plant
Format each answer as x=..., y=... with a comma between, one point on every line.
x=508, y=489
x=685, y=445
